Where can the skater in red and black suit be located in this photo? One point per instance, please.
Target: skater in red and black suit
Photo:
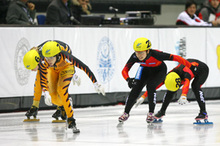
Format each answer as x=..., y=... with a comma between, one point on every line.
x=151, y=73
x=184, y=75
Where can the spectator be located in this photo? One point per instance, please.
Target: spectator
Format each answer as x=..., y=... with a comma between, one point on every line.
x=188, y=17
x=80, y=7
x=87, y=7
x=58, y=13
x=3, y=10
x=210, y=12
x=21, y=12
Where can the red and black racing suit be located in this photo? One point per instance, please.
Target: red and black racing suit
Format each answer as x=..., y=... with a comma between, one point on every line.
x=153, y=72
x=186, y=75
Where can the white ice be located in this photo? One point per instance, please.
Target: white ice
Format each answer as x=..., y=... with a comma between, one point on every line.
x=99, y=127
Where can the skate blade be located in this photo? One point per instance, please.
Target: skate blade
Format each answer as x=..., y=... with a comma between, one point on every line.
x=31, y=120
x=75, y=130
x=206, y=122
x=58, y=121
x=157, y=121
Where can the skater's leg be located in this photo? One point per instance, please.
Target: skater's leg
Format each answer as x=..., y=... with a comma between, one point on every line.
x=65, y=77
x=196, y=87
x=133, y=95
x=136, y=90
x=166, y=101
x=198, y=81
x=156, y=76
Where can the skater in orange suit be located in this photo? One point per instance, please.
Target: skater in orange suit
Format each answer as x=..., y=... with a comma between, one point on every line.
x=31, y=61
x=59, y=76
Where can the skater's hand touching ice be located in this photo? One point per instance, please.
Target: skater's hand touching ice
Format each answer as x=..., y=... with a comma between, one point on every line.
x=47, y=98
x=99, y=88
x=76, y=80
x=183, y=100
x=139, y=101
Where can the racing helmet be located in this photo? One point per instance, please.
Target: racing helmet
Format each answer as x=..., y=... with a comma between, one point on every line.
x=51, y=48
x=31, y=59
x=172, y=81
x=142, y=44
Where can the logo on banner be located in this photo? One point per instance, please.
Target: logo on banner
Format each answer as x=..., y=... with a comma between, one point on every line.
x=105, y=60
x=181, y=47
x=22, y=74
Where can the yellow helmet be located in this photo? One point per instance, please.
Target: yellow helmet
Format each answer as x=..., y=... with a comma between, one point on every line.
x=142, y=44
x=31, y=59
x=172, y=81
x=51, y=48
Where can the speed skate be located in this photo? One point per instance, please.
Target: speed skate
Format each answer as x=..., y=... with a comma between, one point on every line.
x=199, y=122
x=32, y=112
x=31, y=120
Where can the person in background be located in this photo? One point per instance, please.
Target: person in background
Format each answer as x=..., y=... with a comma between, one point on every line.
x=151, y=73
x=188, y=17
x=210, y=11
x=3, y=11
x=87, y=7
x=80, y=7
x=181, y=76
x=21, y=12
x=59, y=13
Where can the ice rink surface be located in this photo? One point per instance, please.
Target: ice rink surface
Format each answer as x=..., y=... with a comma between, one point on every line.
x=99, y=127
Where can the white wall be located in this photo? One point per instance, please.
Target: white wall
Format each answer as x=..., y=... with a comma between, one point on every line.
x=93, y=45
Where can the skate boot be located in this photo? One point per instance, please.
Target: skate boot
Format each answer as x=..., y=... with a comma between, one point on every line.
x=150, y=117
x=60, y=112
x=32, y=112
x=123, y=117
x=158, y=117
x=63, y=113
x=72, y=125
x=202, y=116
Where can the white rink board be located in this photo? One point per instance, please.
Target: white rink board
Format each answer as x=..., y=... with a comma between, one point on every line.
x=88, y=43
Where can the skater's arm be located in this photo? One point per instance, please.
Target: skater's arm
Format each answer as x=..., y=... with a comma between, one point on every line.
x=185, y=88
x=172, y=57
x=76, y=62
x=128, y=66
x=43, y=66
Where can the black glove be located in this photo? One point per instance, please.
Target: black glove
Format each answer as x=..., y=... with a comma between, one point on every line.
x=131, y=82
x=193, y=69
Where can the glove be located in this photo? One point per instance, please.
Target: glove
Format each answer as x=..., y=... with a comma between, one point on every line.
x=99, y=88
x=131, y=82
x=47, y=98
x=76, y=80
x=183, y=100
x=139, y=101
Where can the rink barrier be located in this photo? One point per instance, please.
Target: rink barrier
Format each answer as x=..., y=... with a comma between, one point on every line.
x=110, y=48
x=90, y=100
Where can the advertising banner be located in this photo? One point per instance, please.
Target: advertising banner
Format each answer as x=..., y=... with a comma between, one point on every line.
x=105, y=51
